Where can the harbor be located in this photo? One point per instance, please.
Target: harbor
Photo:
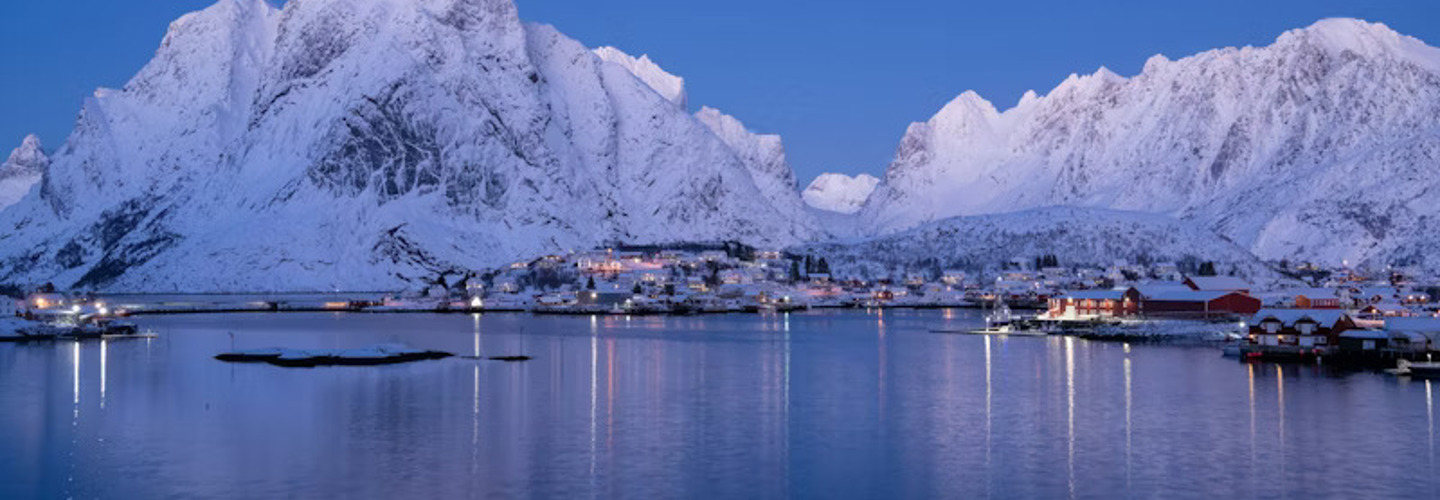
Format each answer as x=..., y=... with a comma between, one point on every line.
x=749, y=400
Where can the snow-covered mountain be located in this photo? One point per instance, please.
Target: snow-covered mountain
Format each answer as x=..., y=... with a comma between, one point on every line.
x=365, y=144
x=839, y=192
x=24, y=169
x=1324, y=145
x=764, y=156
x=1086, y=237
x=671, y=87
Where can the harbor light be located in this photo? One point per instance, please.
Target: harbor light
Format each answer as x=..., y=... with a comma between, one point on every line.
x=476, y=303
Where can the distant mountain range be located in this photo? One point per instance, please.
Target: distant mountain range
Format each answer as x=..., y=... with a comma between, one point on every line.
x=1323, y=146
x=372, y=144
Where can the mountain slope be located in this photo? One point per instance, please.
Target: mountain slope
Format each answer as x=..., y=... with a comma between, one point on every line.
x=368, y=144
x=1322, y=146
x=24, y=169
x=839, y=192
x=1077, y=236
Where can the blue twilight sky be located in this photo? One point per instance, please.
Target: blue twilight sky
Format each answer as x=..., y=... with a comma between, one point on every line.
x=839, y=79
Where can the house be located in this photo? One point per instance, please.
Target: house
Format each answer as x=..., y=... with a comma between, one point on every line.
x=1375, y=294
x=1317, y=298
x=953, y=277
x=1428, y=327
x=1388, y=309
x=1088, y=304
x=734, y=277
x=696, y=284
x=1217, y=284
x=606, y=295
x=46, y=301
x=1199, y=303
x=1382, y=340
x=1299, y=327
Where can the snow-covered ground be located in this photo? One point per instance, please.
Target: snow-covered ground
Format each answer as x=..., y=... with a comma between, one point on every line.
x=1076, y=236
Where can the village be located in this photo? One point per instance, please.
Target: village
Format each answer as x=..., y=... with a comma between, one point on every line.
x=1310, y=313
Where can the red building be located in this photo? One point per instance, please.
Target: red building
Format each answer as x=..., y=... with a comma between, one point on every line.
x=1202, y=304
x=1086, y=304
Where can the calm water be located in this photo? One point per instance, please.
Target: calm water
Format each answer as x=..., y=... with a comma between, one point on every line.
x=838, y=404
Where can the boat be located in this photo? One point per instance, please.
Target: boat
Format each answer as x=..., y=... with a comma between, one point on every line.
x=999, y=321
x=1420, y=369
x=1008, y=329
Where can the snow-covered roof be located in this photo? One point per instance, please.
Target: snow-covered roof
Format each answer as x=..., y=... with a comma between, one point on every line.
x=1366, y=334
x=1188, y=295
x=1219, y=283
x=1325, y=317
x=1387, y=305
x=1095, y=294
x=1424, y=324
x=1158, y=287
x=1381, y=291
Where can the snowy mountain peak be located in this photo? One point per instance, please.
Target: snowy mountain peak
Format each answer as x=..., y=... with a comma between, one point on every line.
x=968, y=108
x=839, y=192
x=1155, y=64
x=25, y=167
x=29, y=156
x=1372, y=40
x=669, y=86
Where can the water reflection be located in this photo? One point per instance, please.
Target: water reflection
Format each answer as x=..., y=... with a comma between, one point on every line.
x=1430, y=423
x=104, y=360
x=1280, y=407
x=1070, y=413
x=1254, y=462
x=725, y=406
x=1128, y=424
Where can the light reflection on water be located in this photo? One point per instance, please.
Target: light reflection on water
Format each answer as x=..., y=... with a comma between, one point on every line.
x=834, y=404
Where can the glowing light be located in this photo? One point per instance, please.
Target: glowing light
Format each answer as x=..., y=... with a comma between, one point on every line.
x=476, y=303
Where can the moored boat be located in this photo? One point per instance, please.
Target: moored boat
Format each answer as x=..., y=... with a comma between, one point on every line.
x=1421, y=369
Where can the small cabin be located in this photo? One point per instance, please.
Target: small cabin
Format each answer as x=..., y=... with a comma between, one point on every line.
x=1317, y=298
x=1086, y=304
x=1299, y=327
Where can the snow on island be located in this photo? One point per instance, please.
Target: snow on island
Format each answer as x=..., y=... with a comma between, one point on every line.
x=310, y=358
